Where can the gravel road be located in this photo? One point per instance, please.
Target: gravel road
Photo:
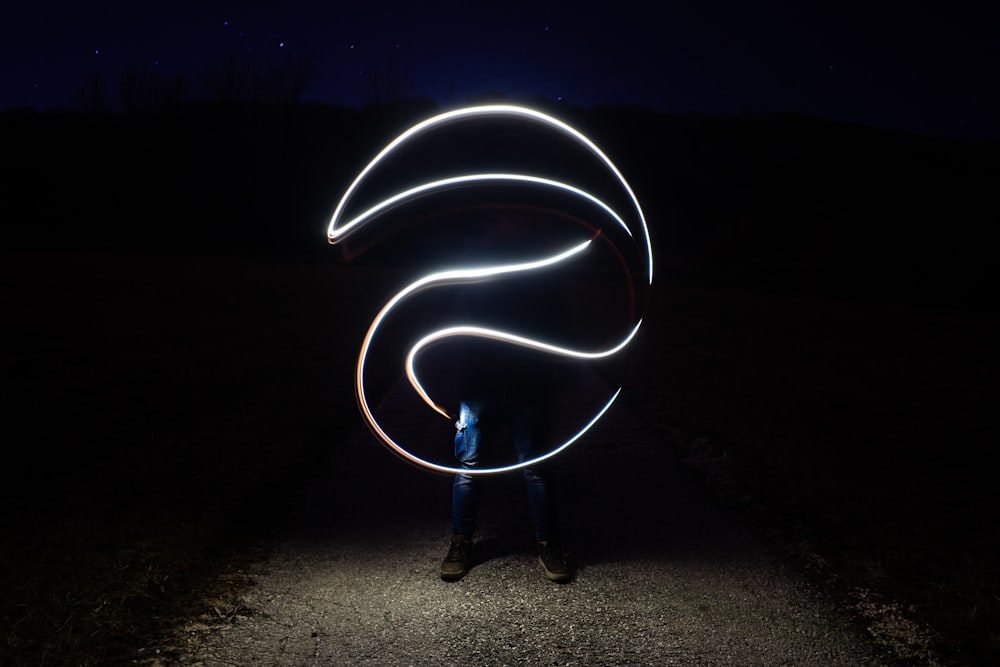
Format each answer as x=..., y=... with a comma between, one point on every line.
x=664, y=576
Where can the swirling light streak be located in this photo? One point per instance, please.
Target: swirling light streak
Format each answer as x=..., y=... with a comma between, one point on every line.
x=503, y=337
x=470, y=179
x=452, y=277
x=339, y=230
x=437, y=467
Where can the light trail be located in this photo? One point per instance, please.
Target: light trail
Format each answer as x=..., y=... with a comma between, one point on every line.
x=503, y=337
x=470, y=179
x=340, y=229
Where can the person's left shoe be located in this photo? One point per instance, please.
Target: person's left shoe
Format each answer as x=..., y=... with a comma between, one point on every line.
x=553, y=562
x=459, y=559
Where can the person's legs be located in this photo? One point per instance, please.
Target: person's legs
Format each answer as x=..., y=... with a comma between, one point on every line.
x=541, y=501
x=465, y=495
x=540, y=481
x=538, y=478
x=465, y=490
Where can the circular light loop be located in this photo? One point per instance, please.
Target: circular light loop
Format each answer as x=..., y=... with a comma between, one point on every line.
x=341, y=228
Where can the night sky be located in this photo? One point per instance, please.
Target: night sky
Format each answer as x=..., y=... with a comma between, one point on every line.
x=891, y=64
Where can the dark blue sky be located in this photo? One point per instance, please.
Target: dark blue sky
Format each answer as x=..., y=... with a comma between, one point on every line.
x=894, y=64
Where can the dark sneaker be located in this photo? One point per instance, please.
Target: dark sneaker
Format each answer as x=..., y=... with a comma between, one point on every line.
x=552, y=560
x=459, y=559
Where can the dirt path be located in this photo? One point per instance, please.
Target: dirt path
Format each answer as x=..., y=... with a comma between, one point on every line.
x=664, y=577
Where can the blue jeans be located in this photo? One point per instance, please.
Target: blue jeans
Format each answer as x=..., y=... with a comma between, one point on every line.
x=465, y=491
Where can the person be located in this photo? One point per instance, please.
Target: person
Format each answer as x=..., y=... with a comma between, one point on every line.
x=506, y=392
x=508, y=397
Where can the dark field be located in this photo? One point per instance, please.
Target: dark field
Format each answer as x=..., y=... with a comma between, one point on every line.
x=828, y=365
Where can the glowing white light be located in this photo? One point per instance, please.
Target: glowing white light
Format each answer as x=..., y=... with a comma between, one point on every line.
x=442, y=278
x=447, y=183
x=339, y=229
x=503, y=337
x=430, y=465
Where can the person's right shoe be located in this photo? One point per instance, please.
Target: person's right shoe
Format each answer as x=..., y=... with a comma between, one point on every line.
x=459, y=559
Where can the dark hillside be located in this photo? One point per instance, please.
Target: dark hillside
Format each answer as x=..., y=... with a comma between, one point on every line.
x=776, y=203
